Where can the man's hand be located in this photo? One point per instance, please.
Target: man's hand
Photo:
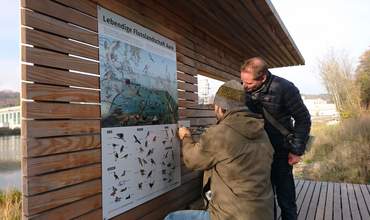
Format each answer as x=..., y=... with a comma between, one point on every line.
x=184, y=132
x=293, y=159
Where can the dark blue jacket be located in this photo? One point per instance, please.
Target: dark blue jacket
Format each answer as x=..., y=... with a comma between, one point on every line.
x=282, y=100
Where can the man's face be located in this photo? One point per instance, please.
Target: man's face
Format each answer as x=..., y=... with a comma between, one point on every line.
x=249, y=83
x=218, y=112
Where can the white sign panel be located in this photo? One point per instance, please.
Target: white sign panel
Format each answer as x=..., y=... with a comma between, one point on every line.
x=140, y=149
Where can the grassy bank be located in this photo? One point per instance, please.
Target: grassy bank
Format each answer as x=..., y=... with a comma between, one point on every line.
x=340, y=152
x=10, y=205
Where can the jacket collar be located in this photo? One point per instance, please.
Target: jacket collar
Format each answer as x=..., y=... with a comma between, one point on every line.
x=228, y=113
x=266, y=85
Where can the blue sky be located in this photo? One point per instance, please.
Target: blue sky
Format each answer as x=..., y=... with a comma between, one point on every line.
x=315, y=25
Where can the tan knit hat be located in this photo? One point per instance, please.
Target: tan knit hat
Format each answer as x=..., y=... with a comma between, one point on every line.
x=230, y=95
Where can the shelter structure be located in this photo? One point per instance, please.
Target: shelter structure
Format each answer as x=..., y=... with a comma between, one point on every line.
x=61, y=111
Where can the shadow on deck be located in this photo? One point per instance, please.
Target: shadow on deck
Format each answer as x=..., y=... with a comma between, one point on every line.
x=332, y=201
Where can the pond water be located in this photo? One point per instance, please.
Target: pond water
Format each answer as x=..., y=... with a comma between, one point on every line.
x=10, y=162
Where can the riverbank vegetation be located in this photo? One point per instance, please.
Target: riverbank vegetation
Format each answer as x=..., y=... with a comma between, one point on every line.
x=341, y=152
x=10, y=204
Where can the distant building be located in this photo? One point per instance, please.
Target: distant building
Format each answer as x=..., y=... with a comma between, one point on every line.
x=10, y=117
x=320, y=107
x=203, y=91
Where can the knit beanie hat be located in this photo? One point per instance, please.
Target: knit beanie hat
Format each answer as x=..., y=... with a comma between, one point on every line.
x=230, y=95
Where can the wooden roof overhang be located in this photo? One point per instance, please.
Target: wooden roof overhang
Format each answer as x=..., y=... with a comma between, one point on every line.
x=247, y=27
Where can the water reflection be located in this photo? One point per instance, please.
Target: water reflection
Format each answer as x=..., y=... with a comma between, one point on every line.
x=10, y=162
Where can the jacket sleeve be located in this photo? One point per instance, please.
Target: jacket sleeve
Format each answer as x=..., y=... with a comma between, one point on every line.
x=301, y=116
x=199, y=155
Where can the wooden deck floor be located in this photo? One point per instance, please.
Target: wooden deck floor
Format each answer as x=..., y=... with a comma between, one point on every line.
x=332, y=201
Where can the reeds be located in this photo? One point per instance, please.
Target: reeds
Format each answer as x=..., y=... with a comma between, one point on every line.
x=10, y=205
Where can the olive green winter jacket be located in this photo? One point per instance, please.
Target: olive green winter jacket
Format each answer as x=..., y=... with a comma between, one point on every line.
x=236, y=156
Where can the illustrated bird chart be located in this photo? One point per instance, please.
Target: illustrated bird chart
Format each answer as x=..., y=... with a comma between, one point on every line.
x=140, y=148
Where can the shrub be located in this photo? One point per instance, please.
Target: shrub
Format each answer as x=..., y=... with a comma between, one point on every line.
x=341, y=152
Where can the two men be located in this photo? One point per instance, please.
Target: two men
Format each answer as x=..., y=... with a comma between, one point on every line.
x=280, y=102
x=236, y=157
x=236, y=154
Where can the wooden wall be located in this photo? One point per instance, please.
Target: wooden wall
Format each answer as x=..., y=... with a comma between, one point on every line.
x=61, y=162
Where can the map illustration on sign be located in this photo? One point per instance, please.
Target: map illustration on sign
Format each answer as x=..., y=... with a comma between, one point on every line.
x=140, y=87
x=139, y=114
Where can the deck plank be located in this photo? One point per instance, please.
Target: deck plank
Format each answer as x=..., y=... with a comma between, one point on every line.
x=337, y=202
x=366, y=196
x=345, y=203
x=329, y=202
x=314, y=202
x=306, y=202
x=353, y=203
x=321, y=203
x=302, y=194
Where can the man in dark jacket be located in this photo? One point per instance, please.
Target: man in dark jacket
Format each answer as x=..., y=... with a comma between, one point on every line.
x=277, y=98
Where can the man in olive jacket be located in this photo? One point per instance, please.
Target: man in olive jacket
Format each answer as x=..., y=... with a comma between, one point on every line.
x=236, y=157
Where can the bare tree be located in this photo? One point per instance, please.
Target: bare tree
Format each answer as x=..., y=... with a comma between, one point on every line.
x=337, y=73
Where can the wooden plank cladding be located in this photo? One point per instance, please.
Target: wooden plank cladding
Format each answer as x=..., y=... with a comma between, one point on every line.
x=60, y=44
x=49, y=146
x=58, y=60
x=60, y=90
x=40, y=92
x=58, y=27
x=43, y=202
x=52, y=128
x=62, y=12
x=53, y=76
x=36, y=110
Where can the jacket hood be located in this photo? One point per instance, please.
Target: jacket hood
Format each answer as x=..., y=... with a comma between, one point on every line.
x=246, y=123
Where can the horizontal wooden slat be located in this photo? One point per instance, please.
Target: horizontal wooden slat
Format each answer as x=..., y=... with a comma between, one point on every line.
x=191, y=176
x=49, y=128
x=186, y=69
x=47, y=146
x=184, y=60
x=37, y=110
x=85, y=6
x=202, y=121
x=61, y=12
x=174, y=206
x=58, y=60
x=194, y=58
x=40, y=92
x=187, y=78
x=73, y=210
x=187, y=86
x=47, y=164
x=193, y=113
x=44, y=183
x=58, y=77
x=93, y=215
x=55, y=26
x=188, y=95
x=46, y=201
x=56, y=43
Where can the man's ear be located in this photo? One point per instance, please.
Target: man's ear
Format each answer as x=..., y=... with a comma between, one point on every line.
x=264, y=77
